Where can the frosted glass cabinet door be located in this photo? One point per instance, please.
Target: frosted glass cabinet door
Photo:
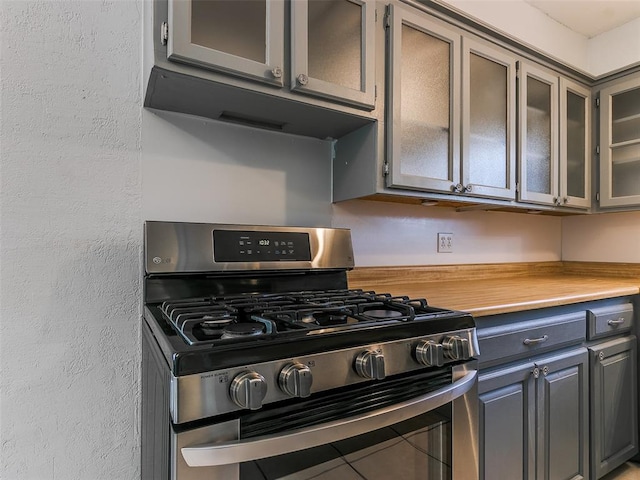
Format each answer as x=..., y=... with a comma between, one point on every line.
x=575, y=145
x=620, y=144
x=423, y=103
x=333, y=49
x=488, y=121
x=243, y=37
x=538, y=135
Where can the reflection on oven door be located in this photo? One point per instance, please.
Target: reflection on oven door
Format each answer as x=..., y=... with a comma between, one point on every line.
x=419, y=448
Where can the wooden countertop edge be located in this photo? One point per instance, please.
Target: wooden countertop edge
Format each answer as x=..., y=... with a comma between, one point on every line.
x=433, y=273
x=492, y=289
x=550, y=302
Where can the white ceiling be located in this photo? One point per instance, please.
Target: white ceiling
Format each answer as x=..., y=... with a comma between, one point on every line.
x=589, y=17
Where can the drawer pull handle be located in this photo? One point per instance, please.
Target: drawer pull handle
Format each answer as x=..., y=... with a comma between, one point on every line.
x=533, y=341
x=616, y=322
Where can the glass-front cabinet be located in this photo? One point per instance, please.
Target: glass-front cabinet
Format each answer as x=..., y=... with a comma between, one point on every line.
x=488, y=121
x=242, y=37
x=538, y=132
x=575, y=145
x=620, y=144
x=332, y=43
x=554, y=139
x=423, y=109
x=450, y=110
x=332, y=49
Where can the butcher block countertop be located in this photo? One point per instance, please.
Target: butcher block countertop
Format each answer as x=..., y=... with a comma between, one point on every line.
x=492, y=289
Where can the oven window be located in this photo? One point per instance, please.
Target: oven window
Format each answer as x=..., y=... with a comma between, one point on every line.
x=418, y=448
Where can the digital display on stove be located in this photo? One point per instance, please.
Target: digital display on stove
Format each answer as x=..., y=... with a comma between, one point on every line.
x=240, y=246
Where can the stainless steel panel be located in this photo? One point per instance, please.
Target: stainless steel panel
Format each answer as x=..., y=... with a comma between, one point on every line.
x=218, y=432
x=206, y=394
x=174, y=247
x=466, y=436
x=220, y=453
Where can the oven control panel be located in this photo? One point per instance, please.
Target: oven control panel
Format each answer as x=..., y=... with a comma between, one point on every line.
x=251, y=386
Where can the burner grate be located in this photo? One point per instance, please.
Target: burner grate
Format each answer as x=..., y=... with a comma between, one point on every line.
x=208, y=320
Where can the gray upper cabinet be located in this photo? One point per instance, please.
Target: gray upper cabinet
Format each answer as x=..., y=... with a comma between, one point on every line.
x=575, y=145
x=332, y=49
x=423, y=103
x=620, y=144
x=538, y=134
x=450, y=110
x=554, y=139
x=243, y=37
x=332, y=43
x=488, y=121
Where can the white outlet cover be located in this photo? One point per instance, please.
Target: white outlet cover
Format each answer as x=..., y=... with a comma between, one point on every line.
x=445, y=242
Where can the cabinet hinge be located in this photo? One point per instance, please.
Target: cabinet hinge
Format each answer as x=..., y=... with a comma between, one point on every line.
x=517, y=187
x=385, y=169
x=164, y=33
x=376, y=15
x=598, y=149
x=375, y=92
x=333, y=150
x=387, y=17
x=598, y=102
x=598, y=196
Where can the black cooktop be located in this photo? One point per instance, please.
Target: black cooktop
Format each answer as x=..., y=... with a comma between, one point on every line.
x=217, y=331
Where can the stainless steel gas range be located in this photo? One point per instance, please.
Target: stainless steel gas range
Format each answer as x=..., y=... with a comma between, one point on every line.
x=259, y=363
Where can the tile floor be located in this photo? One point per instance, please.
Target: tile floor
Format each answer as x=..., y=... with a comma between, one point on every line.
x=628, y=471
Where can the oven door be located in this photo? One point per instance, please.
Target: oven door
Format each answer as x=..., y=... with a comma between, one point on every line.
x=410, y=428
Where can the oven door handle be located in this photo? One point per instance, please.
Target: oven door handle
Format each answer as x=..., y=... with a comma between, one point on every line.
x=237, y=451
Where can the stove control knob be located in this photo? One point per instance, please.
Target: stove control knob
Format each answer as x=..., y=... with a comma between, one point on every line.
x=456, y=348
x=295, y=379
x=248, y=389
x=370, y=364
x=430, y=353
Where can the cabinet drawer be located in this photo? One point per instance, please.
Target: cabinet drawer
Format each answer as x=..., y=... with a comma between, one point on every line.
x=503, y=343
x=611, y=320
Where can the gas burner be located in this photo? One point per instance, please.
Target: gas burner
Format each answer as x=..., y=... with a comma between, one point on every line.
x=383, y=314
x=213, y=327
x=243, y=330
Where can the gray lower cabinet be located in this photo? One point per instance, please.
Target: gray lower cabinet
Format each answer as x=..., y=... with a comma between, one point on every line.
x=614, y=419
x=534, y=418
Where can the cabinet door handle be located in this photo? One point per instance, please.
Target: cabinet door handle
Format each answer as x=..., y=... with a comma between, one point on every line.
x=534, y=341
x=616, y=322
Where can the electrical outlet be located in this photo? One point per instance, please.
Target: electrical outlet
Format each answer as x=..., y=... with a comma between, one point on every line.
x=445, y=242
